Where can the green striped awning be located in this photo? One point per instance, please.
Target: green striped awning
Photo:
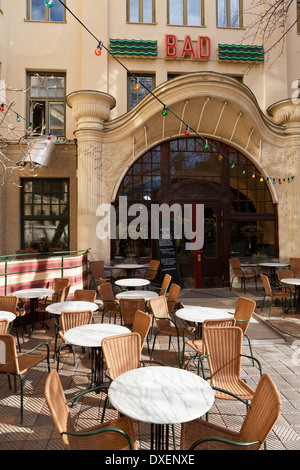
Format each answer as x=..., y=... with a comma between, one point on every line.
x=241, y=53
x=132, y=47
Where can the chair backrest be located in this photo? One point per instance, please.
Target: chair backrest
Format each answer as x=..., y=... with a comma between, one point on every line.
x=8, y=303
x=159, y=308
x=173, y=296
x=165, y=284
x=262, y=414
x=236, y=267
x=284, y=273
x=295, y=266
x=107, y=296
x=60, y=285
x=3, y=326
x=85, y=295
x=244, y=309
x=152, y=270
x=266, y=284
x=141, y=324
x=59, y=410
x=224, y=348
x=97, y=269
x=8, y=354
x=71, y=319
x=121, y=353
x=128, y=308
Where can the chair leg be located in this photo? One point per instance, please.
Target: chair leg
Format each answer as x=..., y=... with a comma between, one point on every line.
x=250, y=347
x=22, y=397
x=270, y=307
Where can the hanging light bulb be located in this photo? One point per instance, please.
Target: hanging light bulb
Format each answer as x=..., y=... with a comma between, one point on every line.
x=253, y=175
x=98, y=49
x=274, y=181
x=284, y=182
x=18, y=118
x=244, y=171
x=220, y=157
x=279, y=181
x=164, y=112
x=49, y=3
x=268, y=180
x=2, y=107
x=261, y=179
x=187, y=131
x=205, y=145
x=137, y=85
x=232, y=165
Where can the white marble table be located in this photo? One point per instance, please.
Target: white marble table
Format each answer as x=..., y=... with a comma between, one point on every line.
x=137, y=294
x=91, y=336
x=293, y=281
x=132, y=282
x=273, y=266
x=33, y=295
x=70, y=306
x=161, y=396
x=130, y=268
x=199, y=314
x=4, y=315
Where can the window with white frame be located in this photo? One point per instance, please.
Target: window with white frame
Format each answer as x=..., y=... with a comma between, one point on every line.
x=145, y=82
x=230, y=13
x=38, y=11
x=186, y=12
x=141, y=11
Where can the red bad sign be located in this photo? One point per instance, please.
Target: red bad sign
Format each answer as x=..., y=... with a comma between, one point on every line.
x=187, y=49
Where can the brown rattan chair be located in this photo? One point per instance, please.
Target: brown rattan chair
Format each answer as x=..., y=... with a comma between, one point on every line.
x=152, y=270
x=141, y=324
x=9, y=303
x=286, y=274
x=223, y=348
x=244, y=309
x=283, y=294
x=240, y=274
x=4, y=324
x=164, y=286
x=19, y=364
x=97, y=270
x=128, y=307
x=110, y=302
x=61, y=287
x=114, y=435
x=198, y=344
x=85, y=295
x=71, y=320
x=295, y=266
x=264, y=410
x=172, y=297
x=167, y=326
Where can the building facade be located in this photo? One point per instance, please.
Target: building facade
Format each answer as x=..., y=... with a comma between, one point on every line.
x=179, y=102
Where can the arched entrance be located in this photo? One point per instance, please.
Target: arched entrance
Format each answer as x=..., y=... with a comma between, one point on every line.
x=239, y=216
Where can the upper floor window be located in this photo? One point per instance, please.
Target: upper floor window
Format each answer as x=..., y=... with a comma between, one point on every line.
x=186, y=12
x=46, y=108
x=136, y=94
x=229, y=13
x=37, y=11
x=141, y=11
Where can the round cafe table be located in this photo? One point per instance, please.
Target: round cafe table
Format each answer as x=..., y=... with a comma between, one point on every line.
x=161, y=396
x=4, y=315
x=293, y=281
x=131, y=294
x=132, y=282
x=200, y=314
x=130, y=268
x=273, y=266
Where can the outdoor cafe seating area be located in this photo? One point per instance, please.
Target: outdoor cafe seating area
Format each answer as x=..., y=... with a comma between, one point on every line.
x=127, y=364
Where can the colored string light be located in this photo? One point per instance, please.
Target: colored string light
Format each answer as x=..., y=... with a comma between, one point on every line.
x=98, y=49
x=49, y=3
x=164, y=112
x=187, y=131
x=137, y=85
x=18, y=118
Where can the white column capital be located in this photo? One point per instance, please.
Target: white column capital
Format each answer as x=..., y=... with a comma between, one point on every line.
x=90, y=108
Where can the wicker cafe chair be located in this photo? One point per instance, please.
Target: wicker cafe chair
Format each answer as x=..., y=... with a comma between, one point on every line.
x=239, y=273
x=172, y=297
x=61, y=287
x=85, y=295
x=4, y=324
x=19, y=364
x=285, y=294
x=164, y=286
x=295, y=266
x=198, y=344
x=9, y=303
x=97, y=270
x=264, y=410
x=244, y=309
x=116, y=434
x=223, y=348
x=110, y=302
x=128, y=307
x=71, y=320
x=167, y=326
x=152, y=270
x=141, y=324
x=286, y=274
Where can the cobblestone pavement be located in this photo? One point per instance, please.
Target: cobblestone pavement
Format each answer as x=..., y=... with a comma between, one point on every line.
x=275, y=342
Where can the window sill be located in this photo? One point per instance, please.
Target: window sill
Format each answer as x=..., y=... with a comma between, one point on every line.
x=186, y=25
x=44, y=21
x=139, y=22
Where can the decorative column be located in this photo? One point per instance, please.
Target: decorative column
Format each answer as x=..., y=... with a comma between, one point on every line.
x=90, y=110
x=287, y=113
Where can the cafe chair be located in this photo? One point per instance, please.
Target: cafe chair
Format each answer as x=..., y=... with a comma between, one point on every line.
x=19, y=364
x=128, y=307
x=244, y=309
x=284, y=293
x=141, y=324
x=239, y=273
x=167, y=326
x=198, y=344
x=71, y=320
x=97, y=270
x=4, y=324
x=85, y=295
x=152, y=270
x=110, y=302
x=9, y=303
x=116, y=434
x=164, y=286
x=61, y=287
x=261, y=416
x=223, y=350
x=295, y=266
x=172, y=297
x=286, y=274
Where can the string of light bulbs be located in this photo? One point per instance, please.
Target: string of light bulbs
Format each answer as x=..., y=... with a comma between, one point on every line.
x=166, y=109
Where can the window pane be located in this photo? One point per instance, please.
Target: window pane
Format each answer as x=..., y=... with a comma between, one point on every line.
x=37, y=10
x=56, y=118
x=222, y=13
x=137, y=95
x=194, y=12
x=176, y=12
x=134, y=11
x=57, y=11
x=234, y=13
x=147, y=11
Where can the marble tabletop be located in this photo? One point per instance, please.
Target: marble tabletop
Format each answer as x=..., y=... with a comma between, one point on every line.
x=91, y=335
x=274, y=265
x=161, y=395
x=137, y=294
x=200, y=314
x=295, y=281
x=4, y=315
x=129, y=266
x=132, y=282
x=70, y=306
x=34, y=293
